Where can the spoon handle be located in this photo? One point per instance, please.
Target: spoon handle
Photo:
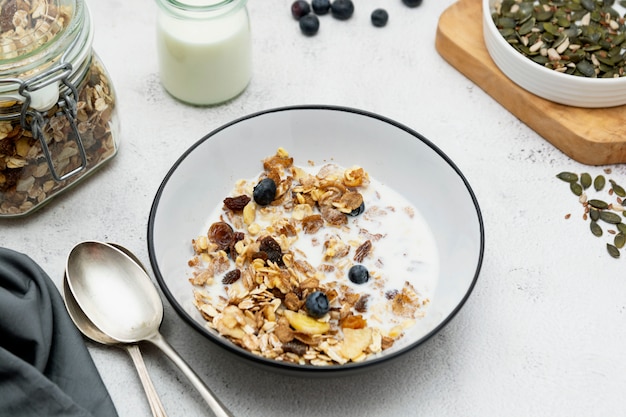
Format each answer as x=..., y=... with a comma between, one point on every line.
x=153, y=398
x=214, y=404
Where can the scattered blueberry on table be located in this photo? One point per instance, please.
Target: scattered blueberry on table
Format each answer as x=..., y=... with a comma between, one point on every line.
x=342, y=9
x=300, y=8
x=379, y=17
x=309, y=24
x=307, y=13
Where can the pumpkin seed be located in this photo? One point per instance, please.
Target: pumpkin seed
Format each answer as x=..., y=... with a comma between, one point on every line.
x=620, y=240
x=567, y=176
x=594, y=215
x=610, y=217
x=617, y=189
x=599, y=182
x=599, y=204
x=613, y=251
x=595, y=228
x=585, y=180
x=576, y=188
x=621, y=227
x=586, y=33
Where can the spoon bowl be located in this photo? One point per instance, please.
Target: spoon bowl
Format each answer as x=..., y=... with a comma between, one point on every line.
x=88, y=329
x=117, y=295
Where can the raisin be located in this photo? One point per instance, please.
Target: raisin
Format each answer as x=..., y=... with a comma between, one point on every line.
x=236, y=203
x=221, y=234
x=231, y=277
x=295, y=346
x=272, y=249
x=237, y=236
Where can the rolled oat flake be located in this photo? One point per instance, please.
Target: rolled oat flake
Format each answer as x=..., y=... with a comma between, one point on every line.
x=58, y=118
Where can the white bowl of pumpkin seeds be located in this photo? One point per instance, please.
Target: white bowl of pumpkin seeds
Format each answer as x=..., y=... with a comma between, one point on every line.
x=570, y=52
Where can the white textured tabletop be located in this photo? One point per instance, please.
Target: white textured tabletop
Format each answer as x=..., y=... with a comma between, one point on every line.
x=543, y=332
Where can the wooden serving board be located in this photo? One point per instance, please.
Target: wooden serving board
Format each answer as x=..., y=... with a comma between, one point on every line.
x=589, y=136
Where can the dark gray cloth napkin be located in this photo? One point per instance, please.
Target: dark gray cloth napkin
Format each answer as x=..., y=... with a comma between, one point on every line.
x=45, y=367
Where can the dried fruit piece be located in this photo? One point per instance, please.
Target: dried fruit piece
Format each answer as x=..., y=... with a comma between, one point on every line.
x=305, y=324
x=231, y=277
x=222, y=234
x=236, y=203
x=272, y=249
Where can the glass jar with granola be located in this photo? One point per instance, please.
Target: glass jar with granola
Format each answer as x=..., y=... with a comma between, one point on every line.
x=58, y=118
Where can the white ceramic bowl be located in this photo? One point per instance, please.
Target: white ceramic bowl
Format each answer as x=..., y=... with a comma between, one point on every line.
x=551, y=85
x=391, y=153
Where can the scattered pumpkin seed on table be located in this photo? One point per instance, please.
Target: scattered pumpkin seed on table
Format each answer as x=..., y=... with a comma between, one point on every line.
x=603, y=214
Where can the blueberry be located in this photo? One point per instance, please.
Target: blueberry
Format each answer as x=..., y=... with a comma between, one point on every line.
x=358, y=274
x=342, y=9
x=300, y=8
x=320, y=7
x=412, y=3
x=264, y=192
x=309, y=24
x=316, y=304
x=380, y=17
x=360, y=209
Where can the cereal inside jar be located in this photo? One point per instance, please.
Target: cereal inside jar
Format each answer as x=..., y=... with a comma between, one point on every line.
x=58, y=119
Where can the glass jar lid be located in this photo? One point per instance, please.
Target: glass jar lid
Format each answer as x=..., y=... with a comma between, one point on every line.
x=35, y=32
x=40, y=40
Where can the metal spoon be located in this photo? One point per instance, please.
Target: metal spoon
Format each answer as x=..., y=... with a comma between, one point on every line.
x=117, y=295
x=88, y=329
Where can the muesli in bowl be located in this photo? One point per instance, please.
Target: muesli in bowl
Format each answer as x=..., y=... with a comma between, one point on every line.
x=369, y=244
x=317, y=265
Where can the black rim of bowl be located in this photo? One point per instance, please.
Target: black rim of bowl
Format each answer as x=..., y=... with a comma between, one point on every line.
x=309, y=369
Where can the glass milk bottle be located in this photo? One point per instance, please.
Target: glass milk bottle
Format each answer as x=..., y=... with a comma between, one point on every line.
x=204, y=49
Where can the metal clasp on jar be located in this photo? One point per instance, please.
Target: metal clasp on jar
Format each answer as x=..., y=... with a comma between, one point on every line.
x=46, y=89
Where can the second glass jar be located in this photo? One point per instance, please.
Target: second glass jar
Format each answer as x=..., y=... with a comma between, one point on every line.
x=204, y=49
